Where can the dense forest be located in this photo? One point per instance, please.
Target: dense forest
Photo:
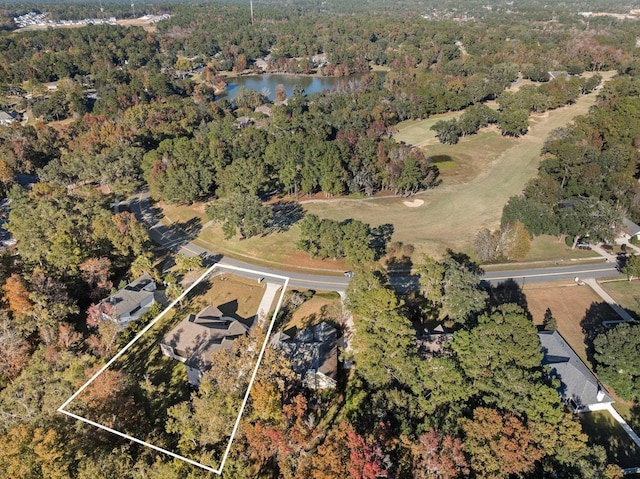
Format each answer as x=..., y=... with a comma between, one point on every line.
x=110, y=109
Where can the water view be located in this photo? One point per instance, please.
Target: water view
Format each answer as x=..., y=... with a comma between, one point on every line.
x=267, y=84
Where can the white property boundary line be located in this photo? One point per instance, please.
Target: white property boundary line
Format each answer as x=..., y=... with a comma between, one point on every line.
x=218, y=471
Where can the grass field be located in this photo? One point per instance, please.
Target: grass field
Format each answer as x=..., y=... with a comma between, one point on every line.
x=489, y=169
x=602, y=429
x=322, y=307
x=569, y=305
x=235, y=296
x=626, y=294
x=544, y=247
x=479, y=174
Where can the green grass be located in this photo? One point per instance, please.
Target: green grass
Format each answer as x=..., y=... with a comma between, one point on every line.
x=418, y=132
x=630, y=412
x=546, y=247
x=626, y=293
x=603, y=430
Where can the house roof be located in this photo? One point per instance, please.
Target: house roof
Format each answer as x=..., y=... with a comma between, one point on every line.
x=578, y=384
x=630, y=227
x=433, y=342
x=312, y=348
x=200, y=335
x=132, y=295
x=4, y=116
x=264, y=109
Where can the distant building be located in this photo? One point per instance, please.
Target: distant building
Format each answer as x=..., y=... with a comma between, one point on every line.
x=198, y=336
x=131, y=302
x=313, y=353
x=6, y=119
x=264, y=109
x=243, y=121
x=261, y=64
x=558, y=74
x=579, y=388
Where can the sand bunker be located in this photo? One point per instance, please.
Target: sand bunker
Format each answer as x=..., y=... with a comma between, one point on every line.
x=414, y=203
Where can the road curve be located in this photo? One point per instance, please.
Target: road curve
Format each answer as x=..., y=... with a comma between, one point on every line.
x=176, y=241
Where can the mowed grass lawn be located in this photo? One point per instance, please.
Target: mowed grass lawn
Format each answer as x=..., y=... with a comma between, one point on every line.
x=569, y=305
x=490, y=169
x=626, y=294
x=603, y=430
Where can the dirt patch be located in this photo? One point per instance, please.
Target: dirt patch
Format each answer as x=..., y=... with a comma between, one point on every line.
x=414, y=203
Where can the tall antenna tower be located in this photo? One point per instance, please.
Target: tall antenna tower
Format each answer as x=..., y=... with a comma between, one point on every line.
x=251, y=12
x=133, y=9
x=101, y=10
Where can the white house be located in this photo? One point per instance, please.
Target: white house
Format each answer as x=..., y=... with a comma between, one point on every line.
x=130, y=302
x=629, y=229
x=6, y=119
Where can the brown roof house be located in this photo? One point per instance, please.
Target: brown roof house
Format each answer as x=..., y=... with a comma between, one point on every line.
x=198, y=336
x=130, y=302
x=579, y=388
x=313, y=353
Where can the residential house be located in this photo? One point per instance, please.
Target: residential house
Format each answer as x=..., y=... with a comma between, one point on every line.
x=198, y=336
x=264, y=109
x=558, y=74
x=130, y=302
x=433, y=343
x=629, y=229
x=313, y=353
x=6, y=119
x=243, y=121
x=261, y=64
x=579, y=388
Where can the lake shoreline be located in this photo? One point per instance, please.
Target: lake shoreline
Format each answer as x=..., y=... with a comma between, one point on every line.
x=267, y=83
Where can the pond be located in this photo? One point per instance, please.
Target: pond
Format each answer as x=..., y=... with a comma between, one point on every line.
x=267, y=83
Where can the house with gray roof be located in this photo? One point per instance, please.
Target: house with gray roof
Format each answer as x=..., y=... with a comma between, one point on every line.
x=629, y=229
x=198, y=336
x=313, y=353
x=579, y=388
x=130, y=302
x=6, y=119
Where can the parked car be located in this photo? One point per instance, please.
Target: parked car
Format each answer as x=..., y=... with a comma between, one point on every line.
x=348, y=274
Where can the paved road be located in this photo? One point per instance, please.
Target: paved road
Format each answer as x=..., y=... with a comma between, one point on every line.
x=176, y=241
x=556, y=273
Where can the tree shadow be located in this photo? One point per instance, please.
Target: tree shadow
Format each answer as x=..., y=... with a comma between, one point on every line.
x=399, y=264
x=602, y=430
x=191, y=228
x=592, y=323
x=465, y=261
x=380, y=237
x=398, y=258
x=508, y=291
x=285, y=214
